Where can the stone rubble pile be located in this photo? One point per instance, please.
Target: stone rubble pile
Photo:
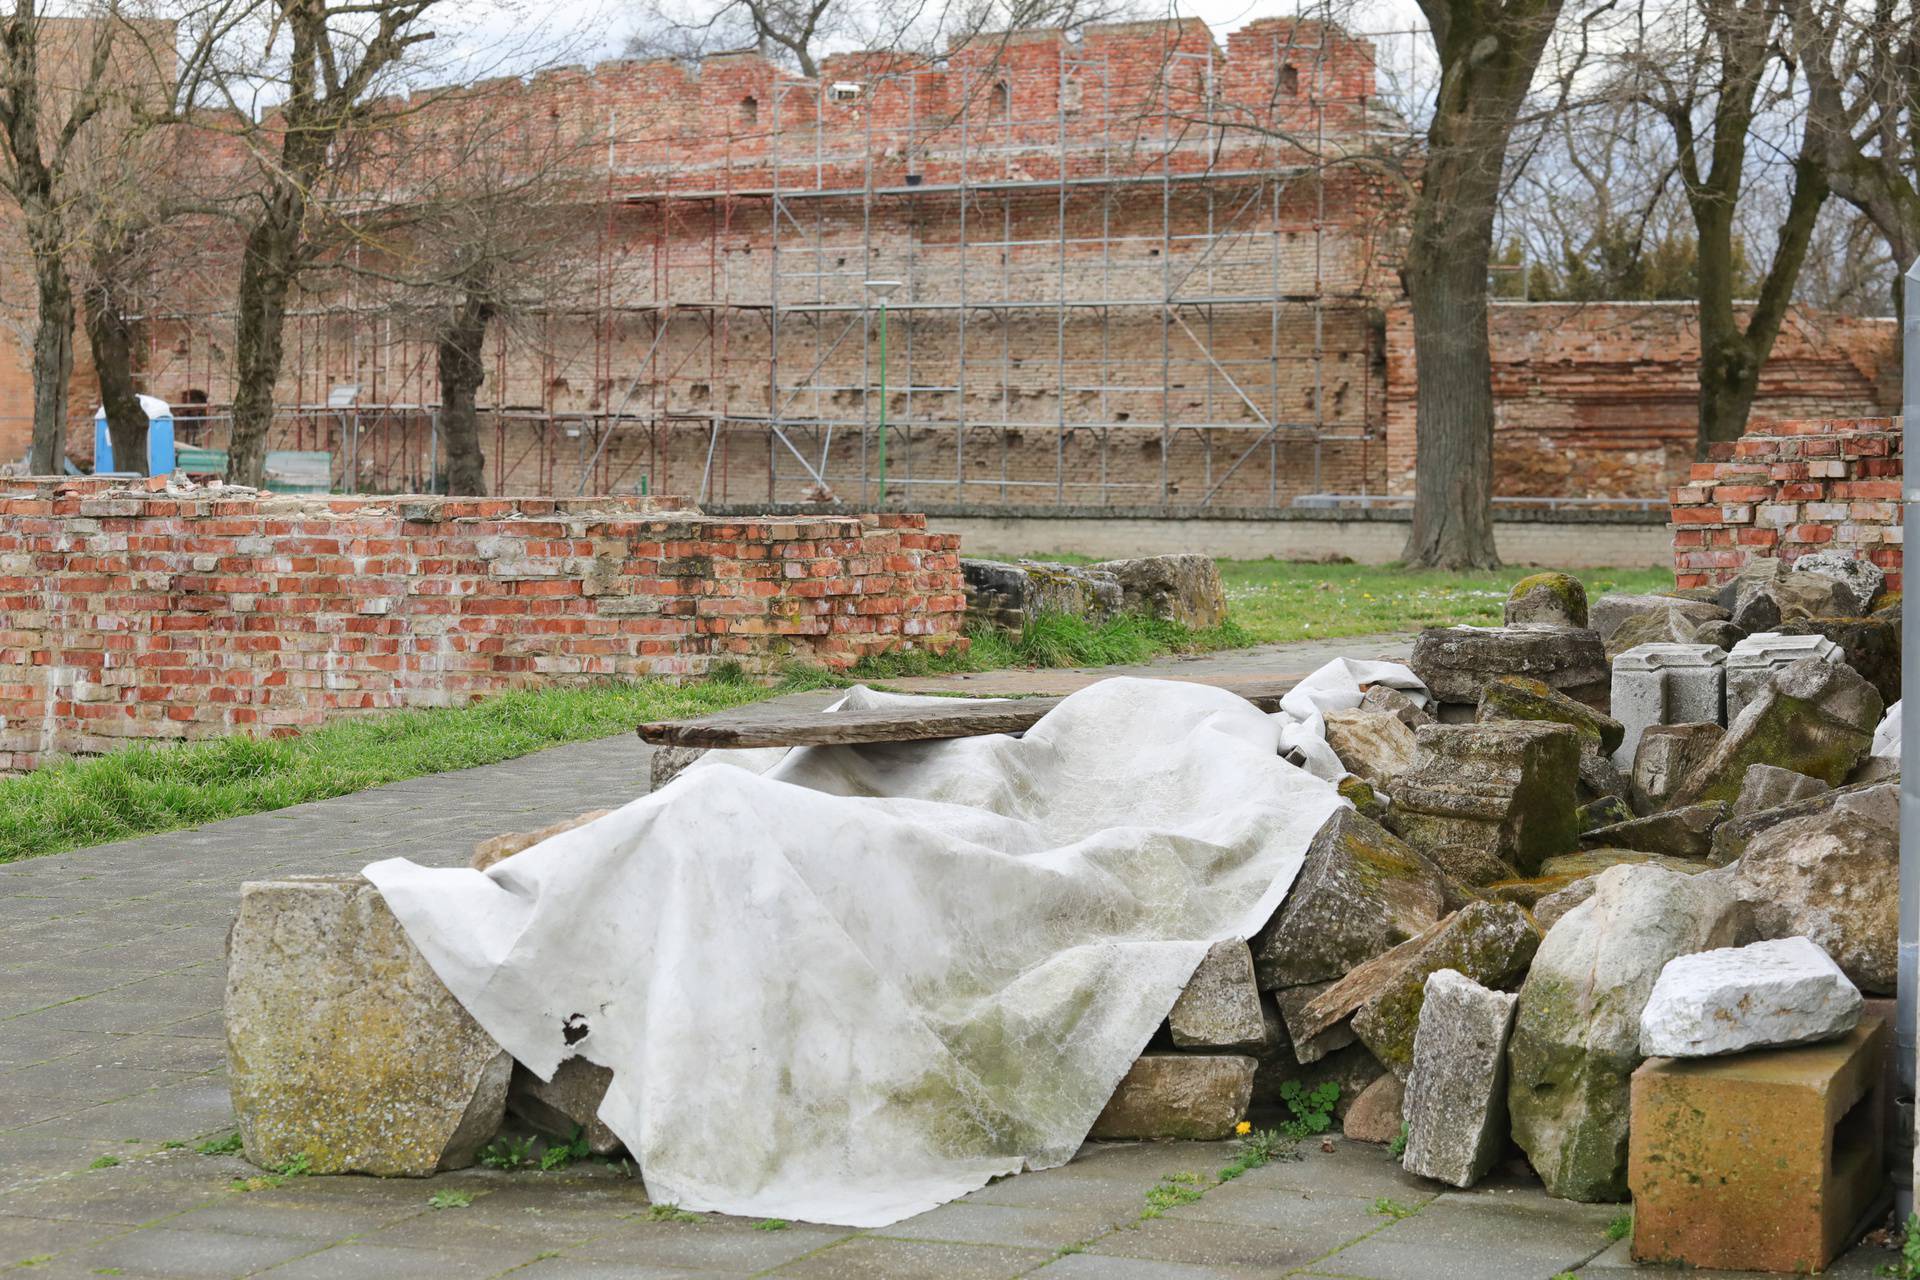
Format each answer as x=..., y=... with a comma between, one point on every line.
x=1174, y=588
x=1572, y=866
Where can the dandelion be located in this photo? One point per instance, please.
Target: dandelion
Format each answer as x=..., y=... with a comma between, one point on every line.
x=1243, y=1128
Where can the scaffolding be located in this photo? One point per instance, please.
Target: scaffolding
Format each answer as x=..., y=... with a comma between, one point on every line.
x=1112, y=294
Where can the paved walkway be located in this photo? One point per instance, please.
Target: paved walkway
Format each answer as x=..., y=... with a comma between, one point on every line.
x=111, y=1072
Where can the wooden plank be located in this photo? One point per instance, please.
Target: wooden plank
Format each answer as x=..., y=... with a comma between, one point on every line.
x=905, y=724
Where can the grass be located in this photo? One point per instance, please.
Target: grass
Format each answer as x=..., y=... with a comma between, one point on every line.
x=144, y=791
x=1275, y=601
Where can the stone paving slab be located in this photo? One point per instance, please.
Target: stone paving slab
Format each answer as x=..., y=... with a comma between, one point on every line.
x=111, y=1053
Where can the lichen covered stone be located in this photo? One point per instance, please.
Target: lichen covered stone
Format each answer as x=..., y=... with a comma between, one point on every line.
x=345, y=1053
x=1814, y=717
x=1576, y=1037
x=1556, y=599
x=1521, y=698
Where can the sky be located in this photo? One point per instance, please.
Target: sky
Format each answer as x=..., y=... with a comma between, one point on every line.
x=487, y=37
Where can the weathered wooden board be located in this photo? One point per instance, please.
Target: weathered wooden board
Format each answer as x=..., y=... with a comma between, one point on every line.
x=907, y=724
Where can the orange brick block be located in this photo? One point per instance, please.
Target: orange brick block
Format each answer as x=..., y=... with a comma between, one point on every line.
x=1764, y=1161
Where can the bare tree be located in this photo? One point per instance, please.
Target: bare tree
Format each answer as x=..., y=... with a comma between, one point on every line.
x=486, y=222
x=1488, y=52
x=322, y=63
x=1862, y=68
x=1715, y=74
x=55, y=78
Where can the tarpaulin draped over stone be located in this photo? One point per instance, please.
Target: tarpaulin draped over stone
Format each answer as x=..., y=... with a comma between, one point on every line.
x=870, y=979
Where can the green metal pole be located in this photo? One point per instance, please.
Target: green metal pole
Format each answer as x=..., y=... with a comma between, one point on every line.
x=883, y=402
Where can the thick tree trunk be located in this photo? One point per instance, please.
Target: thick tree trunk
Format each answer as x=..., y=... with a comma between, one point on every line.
x=266, y=278
x=52, y=346
x=1453, y=399
x=110, y=335
x=462, y=369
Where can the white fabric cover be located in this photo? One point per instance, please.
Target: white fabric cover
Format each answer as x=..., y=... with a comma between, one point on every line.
x=870, y=979
x=1886, y=738
x=1338, y=686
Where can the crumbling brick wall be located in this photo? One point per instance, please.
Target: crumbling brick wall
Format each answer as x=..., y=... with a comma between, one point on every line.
x=130, y=616
x=1601, y=399
x=1788, y=488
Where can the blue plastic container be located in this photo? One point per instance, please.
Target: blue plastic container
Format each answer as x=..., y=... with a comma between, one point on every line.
x=159, y=438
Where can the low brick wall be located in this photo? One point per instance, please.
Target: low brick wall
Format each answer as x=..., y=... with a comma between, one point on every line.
x=132, y=616
x=1788, y=488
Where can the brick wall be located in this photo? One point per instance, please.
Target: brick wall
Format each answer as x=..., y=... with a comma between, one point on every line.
x=133, y=616
x=1788, y=488
x=1601, y=399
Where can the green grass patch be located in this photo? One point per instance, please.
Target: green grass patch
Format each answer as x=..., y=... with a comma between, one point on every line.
x=1275, y=600
x=73, y=803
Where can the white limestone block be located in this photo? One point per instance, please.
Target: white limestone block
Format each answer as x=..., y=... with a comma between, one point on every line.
x=1783, y=992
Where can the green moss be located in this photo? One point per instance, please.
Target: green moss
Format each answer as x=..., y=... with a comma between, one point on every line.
x=1564, y=588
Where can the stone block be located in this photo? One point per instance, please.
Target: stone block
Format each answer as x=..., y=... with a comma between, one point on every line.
x=1182, y=588
x=1576, y=1038
x=1686, y=832
x=1763, y=996
x=1611, y=611
x=1553, y=599
x=1768, y=786
x=1753, y=662
x=1456, y=1104
x=1722, y=635
x=668, y=763
x=1864, y=578
x=1519, y=698
x=1731, y=838
x=1198, y=1096
x=1291, y=1002
x=1376, y=746
x=568, y=1102
x=1832, y=876
x=1607, y=811
x=1761, y=1161
x=1007, y=595
x=1664, y=684
x=1488, y=801
x=1455, y=663
x=1667, y=755
x=1360, y=891
x=1490, y=942
x=1870, y=646
x=492, y=850
x=1220, y=1009
x=1382, y=697
x=1376, y=1114
x=1814, y=717
x=343, y=1047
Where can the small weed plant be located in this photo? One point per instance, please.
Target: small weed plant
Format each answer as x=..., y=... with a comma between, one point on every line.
x=450, y=1200
x=670, y=1213
x=772, y=1224
x=561, y=1154
x=1907, y=1266
x=220, y=1146
x=1257, y=1147
x=1621, y=1227
x=1393, y=1209
x=298, y=1167
x=104, y=1162
x=1398, y=1147
x=1312, y=1108
x=1172, y=1190
x=508, y=1153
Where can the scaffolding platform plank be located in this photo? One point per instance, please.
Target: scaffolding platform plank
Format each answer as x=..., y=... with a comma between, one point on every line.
x=907, y=724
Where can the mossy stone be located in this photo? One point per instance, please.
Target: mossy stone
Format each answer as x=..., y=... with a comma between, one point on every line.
x=1556, y=599
x=1523, y=698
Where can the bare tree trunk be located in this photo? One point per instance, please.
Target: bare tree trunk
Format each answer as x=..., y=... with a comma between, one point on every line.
x=1488, y=52
x=52, y=345
x=266, y=278
x=1453, y=397
x=1732, y=354
x=110, y=335
x=462, y=369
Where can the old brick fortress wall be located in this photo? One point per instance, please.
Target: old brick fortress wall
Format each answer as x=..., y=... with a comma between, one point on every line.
x=131, y=616
x=1788, y=488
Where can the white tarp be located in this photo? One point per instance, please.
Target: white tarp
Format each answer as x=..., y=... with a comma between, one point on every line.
x=869, y=979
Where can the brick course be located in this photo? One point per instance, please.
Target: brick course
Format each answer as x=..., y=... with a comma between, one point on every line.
x=1787, y=488
x=133, y=616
